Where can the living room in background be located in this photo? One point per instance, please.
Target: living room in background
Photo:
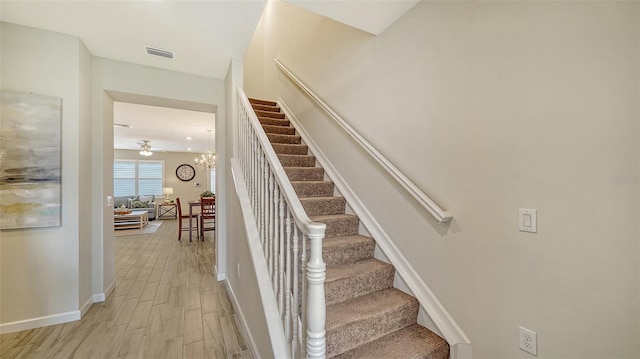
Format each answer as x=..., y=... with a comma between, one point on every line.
x=137, y=177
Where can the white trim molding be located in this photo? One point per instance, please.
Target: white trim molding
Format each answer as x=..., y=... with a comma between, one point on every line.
x=85, y=307
x=101, y=297
x=431, y=206
x=244, y=326
x=40, y=322
x=445, y=324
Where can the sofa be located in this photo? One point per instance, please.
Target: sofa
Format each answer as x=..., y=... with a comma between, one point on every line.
x=137, y=203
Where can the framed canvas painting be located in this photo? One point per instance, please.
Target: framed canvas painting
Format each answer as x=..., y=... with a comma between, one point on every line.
x=30, y=160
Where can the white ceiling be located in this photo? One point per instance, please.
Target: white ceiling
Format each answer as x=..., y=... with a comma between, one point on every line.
x=168, y=129
x=367, y=15
x=204, y=35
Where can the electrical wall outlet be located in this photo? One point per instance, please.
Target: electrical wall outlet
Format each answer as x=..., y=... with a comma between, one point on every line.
x=238, y=269
x=528, y=341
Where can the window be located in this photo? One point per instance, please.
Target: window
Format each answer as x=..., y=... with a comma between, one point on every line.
x=133, y=178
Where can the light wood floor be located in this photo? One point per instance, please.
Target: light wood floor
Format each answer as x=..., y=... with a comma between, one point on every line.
x=166, y=304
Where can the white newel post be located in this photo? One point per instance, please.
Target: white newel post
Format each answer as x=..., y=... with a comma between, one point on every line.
x=316, y=308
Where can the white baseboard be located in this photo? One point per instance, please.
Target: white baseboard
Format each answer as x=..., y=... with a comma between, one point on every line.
x=40, y=322
x=101, y=297
x=244, y=326
x=220, y=276
x=87, y=304
x=444, y=323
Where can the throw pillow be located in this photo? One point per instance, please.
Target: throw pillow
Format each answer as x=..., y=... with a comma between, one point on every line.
x=139, y=204
x=148, y=198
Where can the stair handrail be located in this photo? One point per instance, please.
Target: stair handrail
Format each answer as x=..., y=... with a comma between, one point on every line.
x=441, y=215
x=252, y=159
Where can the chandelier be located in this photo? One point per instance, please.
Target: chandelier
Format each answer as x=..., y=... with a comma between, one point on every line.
x=146, y=149
x=208, y=160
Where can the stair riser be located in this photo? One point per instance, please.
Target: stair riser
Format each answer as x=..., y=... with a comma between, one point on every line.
x=281, y=130
x=297, y=161
x=340, y=226
x=266, y=108
x=351, y=335
x=290, y=149
x=337, y=255
x=361, y=284
x=275, y=138
x=305, y=174
x=262, y=102
x=269, y=114
x=323, y=206
x=273, y=121
x=414, y=341
x=313, y=189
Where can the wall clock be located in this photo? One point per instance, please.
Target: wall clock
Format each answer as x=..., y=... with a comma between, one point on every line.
x=185, y=172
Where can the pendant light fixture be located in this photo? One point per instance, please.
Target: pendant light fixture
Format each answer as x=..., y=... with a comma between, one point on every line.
x=208, y=160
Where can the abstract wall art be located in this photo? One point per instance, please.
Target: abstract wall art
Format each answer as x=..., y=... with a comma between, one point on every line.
x=30, y=160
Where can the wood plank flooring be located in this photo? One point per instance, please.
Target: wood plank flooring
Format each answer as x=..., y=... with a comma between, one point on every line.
x=166, y=304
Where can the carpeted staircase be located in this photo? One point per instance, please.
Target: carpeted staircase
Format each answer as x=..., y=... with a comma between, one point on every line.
x=366, y=316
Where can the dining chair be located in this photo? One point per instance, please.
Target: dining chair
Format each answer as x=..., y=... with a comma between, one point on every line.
x=207, y=215
x=181, y=217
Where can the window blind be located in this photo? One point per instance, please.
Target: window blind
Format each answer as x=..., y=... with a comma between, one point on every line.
x=133, y=178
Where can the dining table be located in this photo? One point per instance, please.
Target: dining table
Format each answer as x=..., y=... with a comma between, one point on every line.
x=191, y=205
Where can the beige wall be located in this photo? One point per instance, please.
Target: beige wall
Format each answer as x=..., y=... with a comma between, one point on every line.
x=490, y=107
x=184, y=190
x=39, y=268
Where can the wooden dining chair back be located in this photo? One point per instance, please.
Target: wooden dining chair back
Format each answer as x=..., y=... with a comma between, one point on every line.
x=207, y=215
x=181, y=217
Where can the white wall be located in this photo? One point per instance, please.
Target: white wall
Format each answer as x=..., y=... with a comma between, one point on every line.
x=235, y=252
x=85, y=188
x=39, y=268
x=490, y=107
x=125, y=82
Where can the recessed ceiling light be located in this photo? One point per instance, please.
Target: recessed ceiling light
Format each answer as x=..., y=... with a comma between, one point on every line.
x=188, y=149
x=122, y=125
x=188, y=138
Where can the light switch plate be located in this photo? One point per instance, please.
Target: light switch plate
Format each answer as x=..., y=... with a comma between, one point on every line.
x=528, y=220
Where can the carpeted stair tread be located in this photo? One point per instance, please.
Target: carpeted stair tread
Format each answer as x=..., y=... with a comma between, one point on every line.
x=278, y=138
x=338, y=224
x=297, y=160
x=322, y=206
x=366, y=318
x=290, y=149
x=273, y=121
x=278, y=115
x=262, y=102
x=352, y=280
x=313, y=188
x=347, y=249
x=412, y=342
x=281, y=130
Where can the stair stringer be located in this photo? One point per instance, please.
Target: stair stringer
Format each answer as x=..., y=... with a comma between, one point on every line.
x=432, y=314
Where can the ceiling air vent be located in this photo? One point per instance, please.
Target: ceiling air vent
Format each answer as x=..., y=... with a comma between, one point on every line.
x=158, y=52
